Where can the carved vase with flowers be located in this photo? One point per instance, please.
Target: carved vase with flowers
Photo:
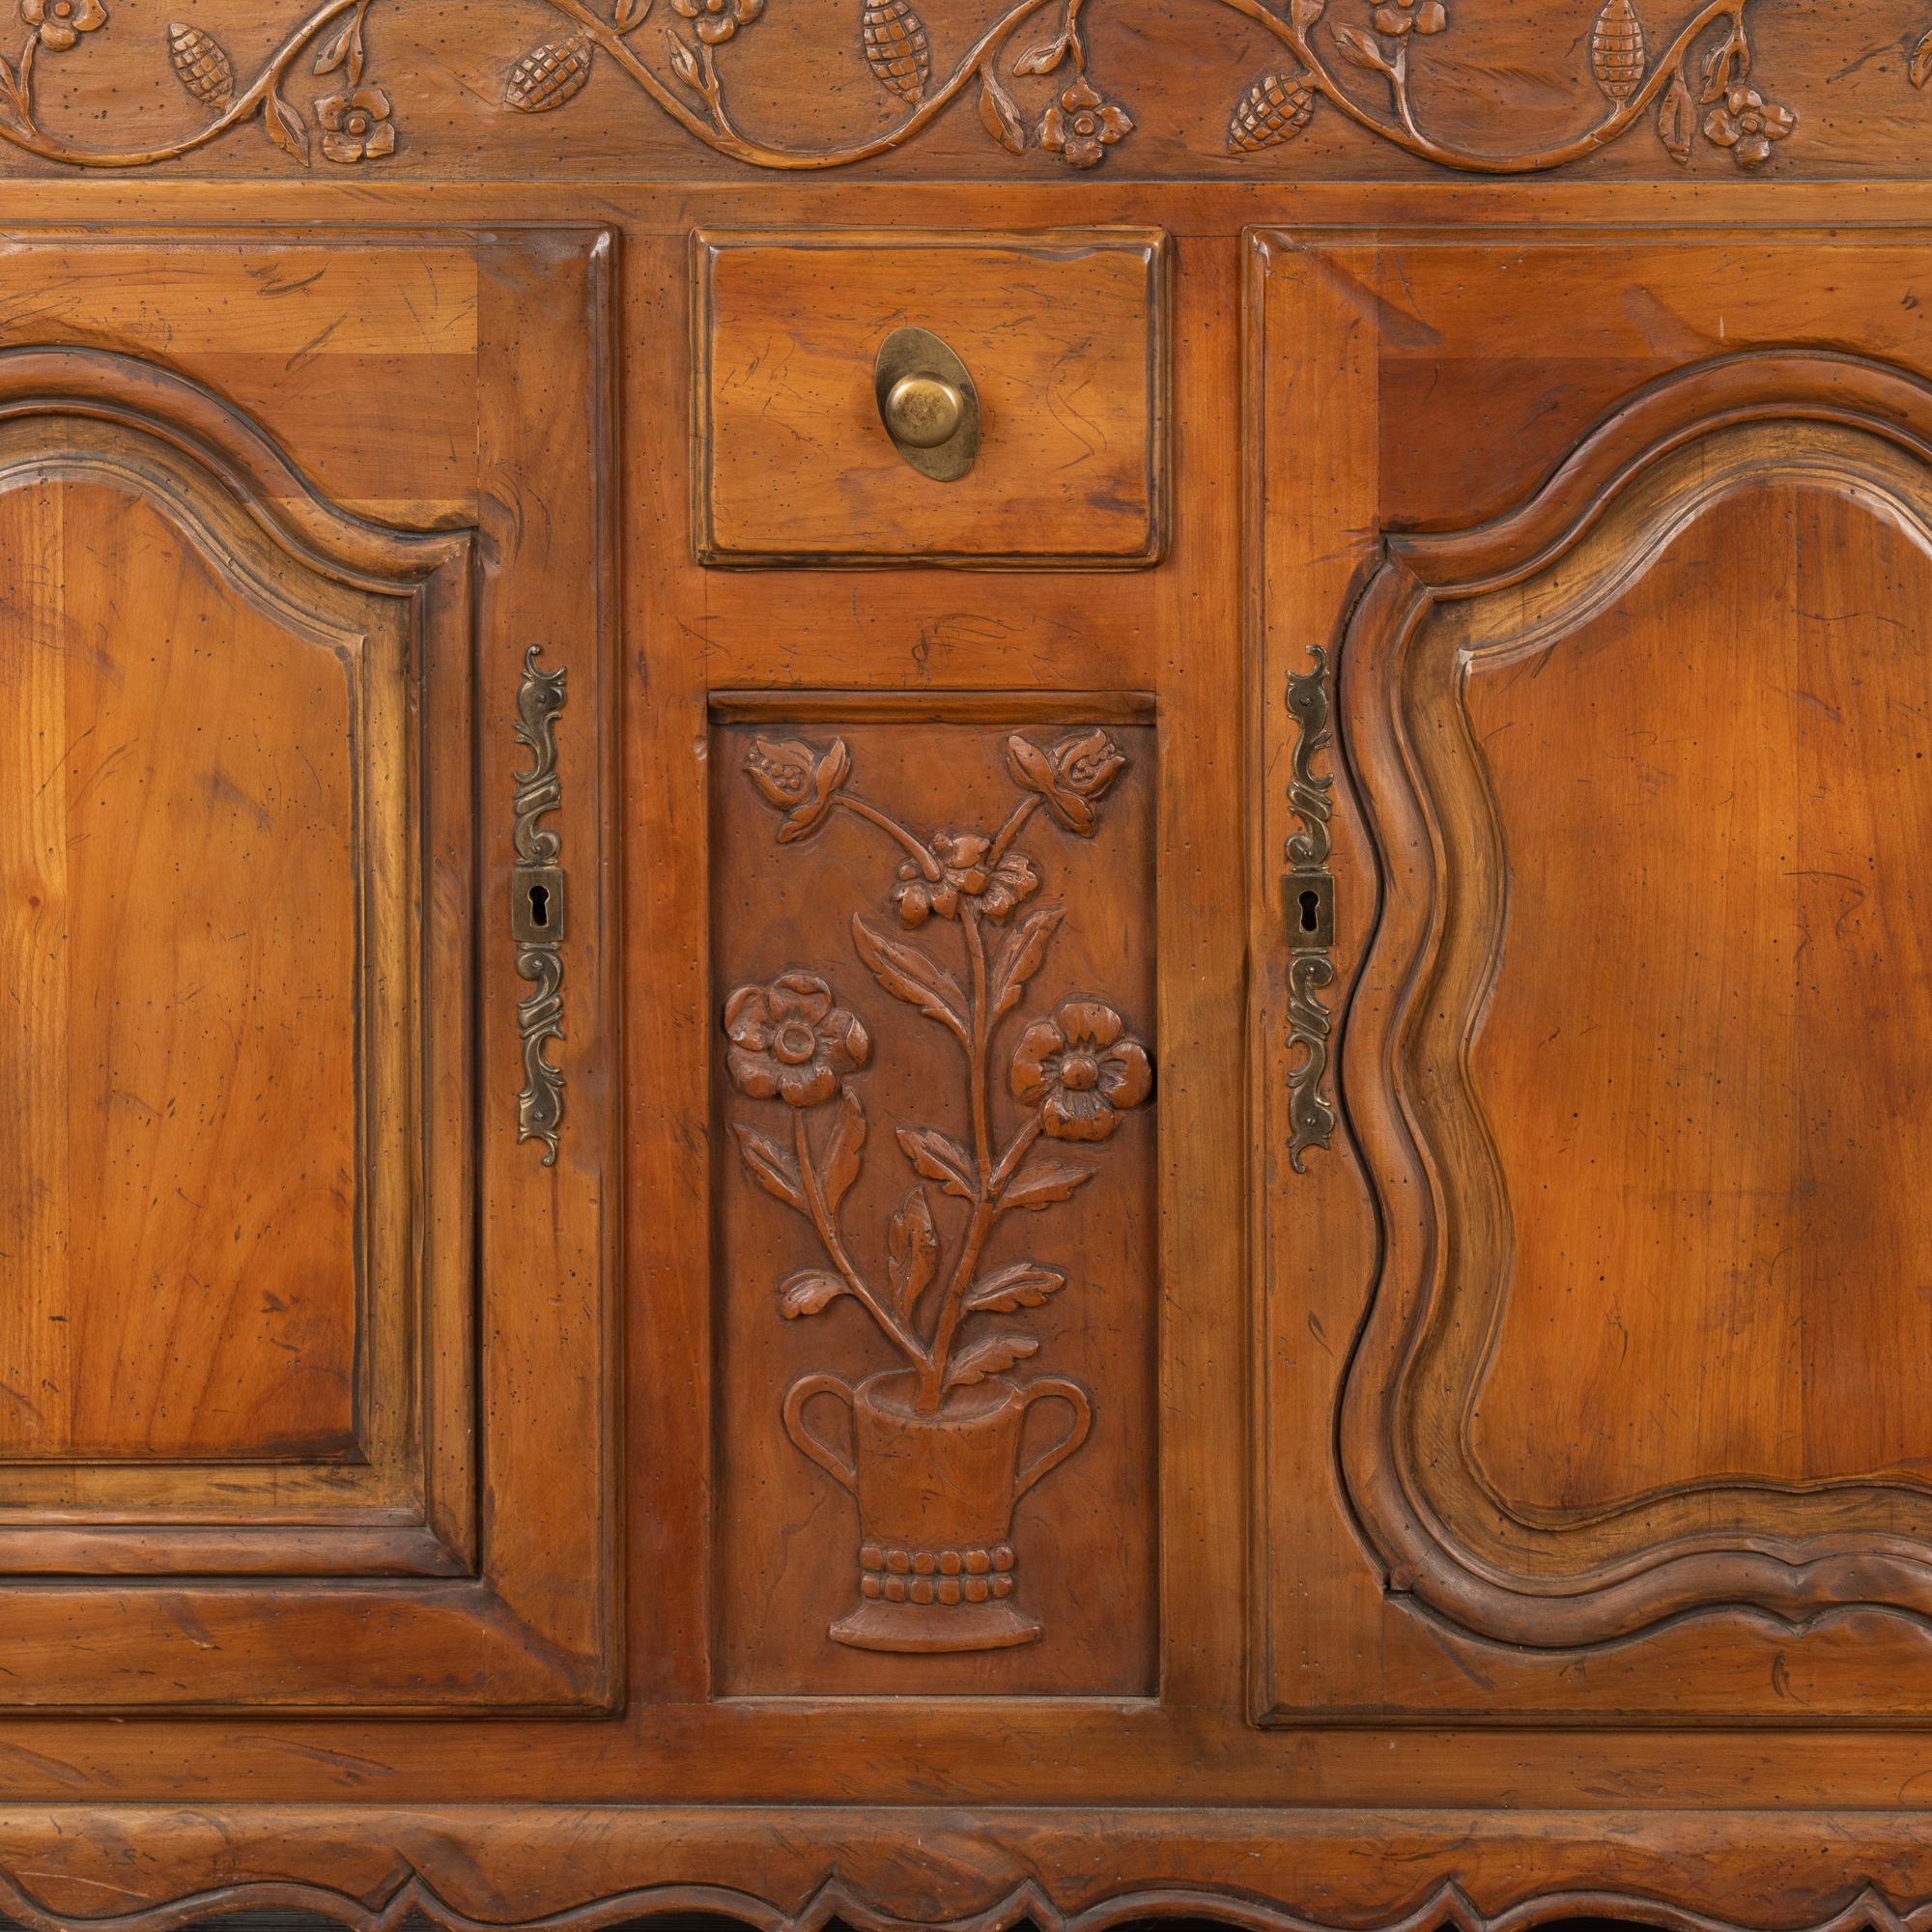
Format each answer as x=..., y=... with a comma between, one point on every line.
x=940, y=1452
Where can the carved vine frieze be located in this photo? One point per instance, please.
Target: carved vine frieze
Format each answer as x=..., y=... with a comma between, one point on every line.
x=1699, y=85
x=937, y=1465
x=1356, y=58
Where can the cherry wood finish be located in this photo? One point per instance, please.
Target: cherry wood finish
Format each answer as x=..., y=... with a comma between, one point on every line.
x=1263, y=1256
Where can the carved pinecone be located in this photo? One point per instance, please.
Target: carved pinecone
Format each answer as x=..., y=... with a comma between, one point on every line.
x=204, y=70
x=547, y=76
x=1616, y=49
x=897, y=46
x=1274, y=110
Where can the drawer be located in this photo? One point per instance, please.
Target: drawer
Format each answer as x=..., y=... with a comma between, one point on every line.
x=1063, y=334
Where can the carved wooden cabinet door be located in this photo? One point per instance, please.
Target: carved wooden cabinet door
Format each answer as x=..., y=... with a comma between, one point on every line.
x=1598, y=588
x=302, y=699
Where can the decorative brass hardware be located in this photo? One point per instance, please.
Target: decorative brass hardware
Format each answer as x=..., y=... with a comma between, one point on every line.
x=927, y=404
x=1308, y=907
x=536, y=904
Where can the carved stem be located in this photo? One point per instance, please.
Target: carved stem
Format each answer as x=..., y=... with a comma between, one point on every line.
x=1013, y=825
x=1408, y=136
x=721, y=134
x=29, y=136
x=907, y=1343
x=929, y=865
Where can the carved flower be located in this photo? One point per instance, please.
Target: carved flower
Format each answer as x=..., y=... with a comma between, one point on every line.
x=1080, y=126
x=966, y=871
x=790, y=1040
x=719, y=19
x=1406, y=16
x=799, y=779
x=355, y=127
x=1079, y=1068
x=1746, y=124
x=63, y=21
x=1070, y=777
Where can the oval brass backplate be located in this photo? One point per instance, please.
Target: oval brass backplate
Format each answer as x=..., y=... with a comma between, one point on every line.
x=921, y=389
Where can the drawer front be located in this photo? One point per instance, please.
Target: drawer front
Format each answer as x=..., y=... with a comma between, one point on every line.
x=1061, y=335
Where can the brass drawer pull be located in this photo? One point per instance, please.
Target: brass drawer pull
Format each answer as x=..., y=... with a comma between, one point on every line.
x=927, y=404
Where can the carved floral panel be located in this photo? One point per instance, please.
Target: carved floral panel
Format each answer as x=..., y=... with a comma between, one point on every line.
x=934, y=1169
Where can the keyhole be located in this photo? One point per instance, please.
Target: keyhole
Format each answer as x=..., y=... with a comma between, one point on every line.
x=1311, y=903
x=540, y=905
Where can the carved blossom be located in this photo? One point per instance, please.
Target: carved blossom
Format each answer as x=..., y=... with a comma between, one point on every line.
x=1404, y=16
x=59, y=23
x=1081, y=1068
x=790, y=1042
x=969, y=870
x=717, y=20
x=799, y=779
x=1746, y=124
x=355, y=127
x=1071, y=777
x=1080, y=126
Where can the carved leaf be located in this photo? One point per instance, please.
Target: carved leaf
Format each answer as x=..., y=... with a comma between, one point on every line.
x=630, y=13
x=1922, y=62
x=1018, y=1285
x=907, y=974
x=1305, y=13
x=912, y=1252
x=549, y=75
x=10, y=90
x=1275, y=109
x=683, y=62
x=344, y=51
x=998, y=111
x=770, y=1167
x=1677, y=121
x=1048, y=1178
x=200, y=65
x=988, y=1357
x=897, y=47
x=1043, y=58
x=1021, y=955
x=1729, y=64
x=810, y=1291
x=838, y=1168
x=1361, y=49
x=284, y=127
x=1617, y=54
x=940, y=1160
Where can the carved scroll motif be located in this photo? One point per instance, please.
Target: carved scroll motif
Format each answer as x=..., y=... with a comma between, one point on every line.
x=539, y=851
x=1307, y=892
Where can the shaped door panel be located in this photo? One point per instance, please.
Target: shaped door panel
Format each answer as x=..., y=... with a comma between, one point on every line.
x=1624, y=1066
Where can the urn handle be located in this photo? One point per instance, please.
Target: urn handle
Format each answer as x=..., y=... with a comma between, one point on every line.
x=1075, y=1398
x=813, y=1444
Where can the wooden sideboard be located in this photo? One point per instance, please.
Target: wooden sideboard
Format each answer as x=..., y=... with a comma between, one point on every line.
x=967, y=962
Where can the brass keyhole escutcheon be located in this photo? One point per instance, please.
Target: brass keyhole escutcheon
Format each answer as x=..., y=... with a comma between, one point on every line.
x=928, y=404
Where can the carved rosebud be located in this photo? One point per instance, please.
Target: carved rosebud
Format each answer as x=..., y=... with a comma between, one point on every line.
x=549, y=75
x=1275, y=109
x=799, y=779
x=1072, y=777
